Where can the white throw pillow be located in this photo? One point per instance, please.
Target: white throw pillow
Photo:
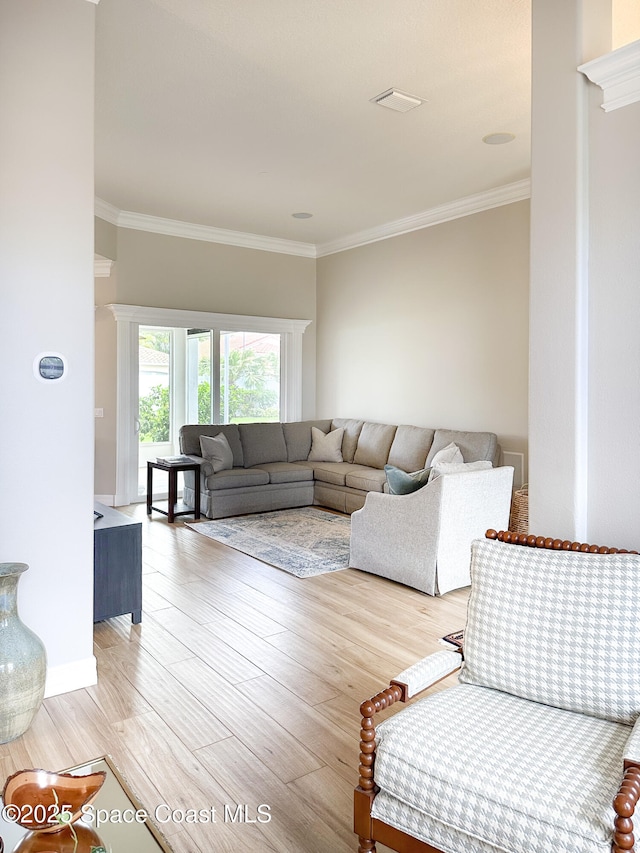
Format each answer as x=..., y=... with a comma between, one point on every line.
x=326, y=447
x=457, y=468
x=216, y=449
x=450, y=453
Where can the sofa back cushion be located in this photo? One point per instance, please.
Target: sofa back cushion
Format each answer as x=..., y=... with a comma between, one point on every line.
x=374, y=444
x=262, y=443
x=297, y=436
x=352, y=429
x=190, y=439
x=410, y=447
x=556, y=627
x=475, y=446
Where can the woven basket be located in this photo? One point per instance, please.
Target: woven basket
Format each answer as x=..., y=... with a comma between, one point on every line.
x=519, y=518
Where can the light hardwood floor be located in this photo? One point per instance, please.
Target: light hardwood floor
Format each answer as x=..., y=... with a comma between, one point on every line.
x=241, y=686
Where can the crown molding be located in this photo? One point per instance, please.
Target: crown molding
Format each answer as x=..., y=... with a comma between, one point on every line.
x=102, y=267
x=106, y=211
x=507, y=194
x=617, y=74
x=206, y=233
x=211, y=234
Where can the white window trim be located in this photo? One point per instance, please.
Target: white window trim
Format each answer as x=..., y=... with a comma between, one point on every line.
x=130, y=317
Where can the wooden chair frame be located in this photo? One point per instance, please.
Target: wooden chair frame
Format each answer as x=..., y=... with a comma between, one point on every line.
x=371, y=830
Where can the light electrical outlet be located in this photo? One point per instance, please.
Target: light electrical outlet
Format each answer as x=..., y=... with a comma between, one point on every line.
x=98, y=413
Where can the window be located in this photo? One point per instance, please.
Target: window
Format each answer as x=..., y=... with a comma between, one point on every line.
x=222, y=367
x=249, y=377
x=200, y=381
x=154, y=385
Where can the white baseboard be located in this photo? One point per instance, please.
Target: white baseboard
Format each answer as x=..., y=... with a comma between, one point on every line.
x=516, y=460
x=111, y=500
x=107, y=500
x=71, y=676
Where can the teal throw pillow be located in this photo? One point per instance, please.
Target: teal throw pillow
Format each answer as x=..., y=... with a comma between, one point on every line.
x=401, y=483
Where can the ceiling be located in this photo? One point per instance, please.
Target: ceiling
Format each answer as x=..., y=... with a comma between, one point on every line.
x=238, y=113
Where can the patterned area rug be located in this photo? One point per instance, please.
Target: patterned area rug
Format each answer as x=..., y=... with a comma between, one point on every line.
x=303, y=542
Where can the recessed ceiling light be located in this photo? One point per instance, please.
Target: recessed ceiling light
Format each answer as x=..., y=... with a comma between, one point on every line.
x=498, y=138
x=302, y=215
x=396, y=100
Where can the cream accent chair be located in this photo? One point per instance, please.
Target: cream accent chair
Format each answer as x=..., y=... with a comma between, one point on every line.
x=537, y=747
x=423, y=539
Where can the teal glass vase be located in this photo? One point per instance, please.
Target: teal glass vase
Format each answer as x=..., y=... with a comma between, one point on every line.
x=23, y=660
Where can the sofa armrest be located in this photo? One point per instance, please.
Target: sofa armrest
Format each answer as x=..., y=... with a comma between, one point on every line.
x=427, y=672
x=206, y=467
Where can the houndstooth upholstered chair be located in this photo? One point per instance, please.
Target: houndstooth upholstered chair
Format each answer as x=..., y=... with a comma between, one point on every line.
x=536, y=749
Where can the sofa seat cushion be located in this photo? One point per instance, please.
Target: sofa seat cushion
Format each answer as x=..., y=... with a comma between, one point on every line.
x=484, y=782
x=333, y=472
x=286, y=472
x=367, y=479
x=236, y=478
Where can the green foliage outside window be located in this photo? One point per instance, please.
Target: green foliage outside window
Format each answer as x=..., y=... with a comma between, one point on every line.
x=252, y=377
x=154, y=415
x=251, y=396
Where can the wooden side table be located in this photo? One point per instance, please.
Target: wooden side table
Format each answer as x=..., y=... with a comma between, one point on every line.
x=172, y=468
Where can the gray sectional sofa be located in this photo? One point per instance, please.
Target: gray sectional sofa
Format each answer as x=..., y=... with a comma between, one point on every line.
x=271, y=469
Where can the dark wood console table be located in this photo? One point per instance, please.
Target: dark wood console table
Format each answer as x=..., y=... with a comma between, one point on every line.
x=117, y=565
x=172, y=469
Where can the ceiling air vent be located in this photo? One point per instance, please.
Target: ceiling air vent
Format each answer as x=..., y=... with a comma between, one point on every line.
x=398, y=101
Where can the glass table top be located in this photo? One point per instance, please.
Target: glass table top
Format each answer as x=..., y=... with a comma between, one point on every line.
x=120, y=822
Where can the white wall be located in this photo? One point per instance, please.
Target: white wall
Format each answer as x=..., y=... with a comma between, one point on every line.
x=46, y=281
x=430, y=328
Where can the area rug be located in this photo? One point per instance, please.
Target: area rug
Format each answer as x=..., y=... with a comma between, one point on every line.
x=304, y=542
x=454, y=640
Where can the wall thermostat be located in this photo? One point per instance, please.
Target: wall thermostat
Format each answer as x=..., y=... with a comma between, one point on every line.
x=50, y=367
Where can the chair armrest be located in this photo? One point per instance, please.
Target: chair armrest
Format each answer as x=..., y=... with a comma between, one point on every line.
x=427, y=672
x=631, y=752
x=418, y=677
